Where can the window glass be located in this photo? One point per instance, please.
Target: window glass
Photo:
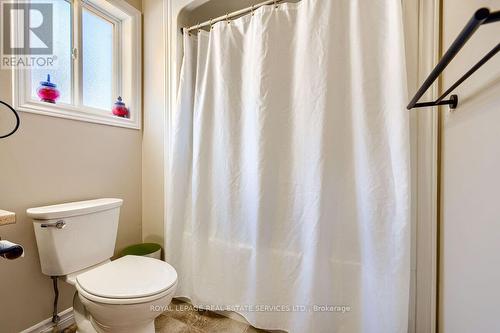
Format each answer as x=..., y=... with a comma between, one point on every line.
x=60, y=73
x=97, y=57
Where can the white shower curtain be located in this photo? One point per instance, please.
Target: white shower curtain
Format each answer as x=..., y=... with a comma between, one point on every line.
x=289, y=177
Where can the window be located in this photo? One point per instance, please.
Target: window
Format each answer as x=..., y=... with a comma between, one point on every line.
x=62, y=50
x=96, y=50
x=99, y=85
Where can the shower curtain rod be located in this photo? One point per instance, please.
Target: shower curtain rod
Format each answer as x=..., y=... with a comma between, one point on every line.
x=232, y=15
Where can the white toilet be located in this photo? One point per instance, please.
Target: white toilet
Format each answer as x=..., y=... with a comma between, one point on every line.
x=76, y=241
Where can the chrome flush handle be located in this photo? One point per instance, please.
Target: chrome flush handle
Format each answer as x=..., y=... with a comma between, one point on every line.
x=59, y=225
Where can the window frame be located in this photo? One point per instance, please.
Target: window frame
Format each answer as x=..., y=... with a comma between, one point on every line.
x=126, y=68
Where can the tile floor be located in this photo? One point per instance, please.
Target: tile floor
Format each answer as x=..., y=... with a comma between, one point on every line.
x=184, y=318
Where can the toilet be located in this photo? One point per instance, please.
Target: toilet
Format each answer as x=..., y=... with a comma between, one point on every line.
x=75, y=242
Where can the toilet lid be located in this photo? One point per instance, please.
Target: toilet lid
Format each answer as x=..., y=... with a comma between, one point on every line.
x=128, y=277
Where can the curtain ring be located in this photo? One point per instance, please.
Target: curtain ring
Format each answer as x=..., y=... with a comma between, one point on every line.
x=253, y=10
x=227, y=19
x=275, y=3
x=210, y=23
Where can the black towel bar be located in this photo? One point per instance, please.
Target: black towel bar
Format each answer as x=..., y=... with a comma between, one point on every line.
x=481, y=16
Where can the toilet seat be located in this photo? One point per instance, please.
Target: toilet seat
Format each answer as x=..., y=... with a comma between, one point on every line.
x=123, y=301
x=128, y=280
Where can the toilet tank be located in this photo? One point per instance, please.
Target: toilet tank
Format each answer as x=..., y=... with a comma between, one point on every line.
x=76, y=235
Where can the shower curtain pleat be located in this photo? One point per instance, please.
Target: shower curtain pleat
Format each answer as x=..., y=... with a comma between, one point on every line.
x=288, y=183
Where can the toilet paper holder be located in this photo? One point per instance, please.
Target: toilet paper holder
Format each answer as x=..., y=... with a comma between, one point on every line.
x=9, y=250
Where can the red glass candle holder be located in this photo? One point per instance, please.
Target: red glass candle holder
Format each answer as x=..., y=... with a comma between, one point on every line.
x=119, y=109
x=47, y=92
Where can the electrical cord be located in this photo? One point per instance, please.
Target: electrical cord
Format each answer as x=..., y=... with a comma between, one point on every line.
x=18, y=121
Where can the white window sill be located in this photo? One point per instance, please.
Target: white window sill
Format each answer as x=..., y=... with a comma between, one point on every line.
x=81, y=114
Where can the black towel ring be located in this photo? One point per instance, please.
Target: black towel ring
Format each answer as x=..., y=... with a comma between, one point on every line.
x=18, y=121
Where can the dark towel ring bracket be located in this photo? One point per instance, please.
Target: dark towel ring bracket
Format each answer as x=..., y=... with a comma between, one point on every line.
x=480, y=17
x=18, y=121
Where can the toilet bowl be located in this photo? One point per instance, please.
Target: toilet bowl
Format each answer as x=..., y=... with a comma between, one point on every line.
x=76, y=241
x=125, y=295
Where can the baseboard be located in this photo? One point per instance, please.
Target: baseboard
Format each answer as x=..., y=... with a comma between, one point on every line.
x=47, y=326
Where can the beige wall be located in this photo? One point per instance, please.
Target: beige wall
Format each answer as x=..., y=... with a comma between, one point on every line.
x=470, y=226
x=51, y=160
x=153, y=166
